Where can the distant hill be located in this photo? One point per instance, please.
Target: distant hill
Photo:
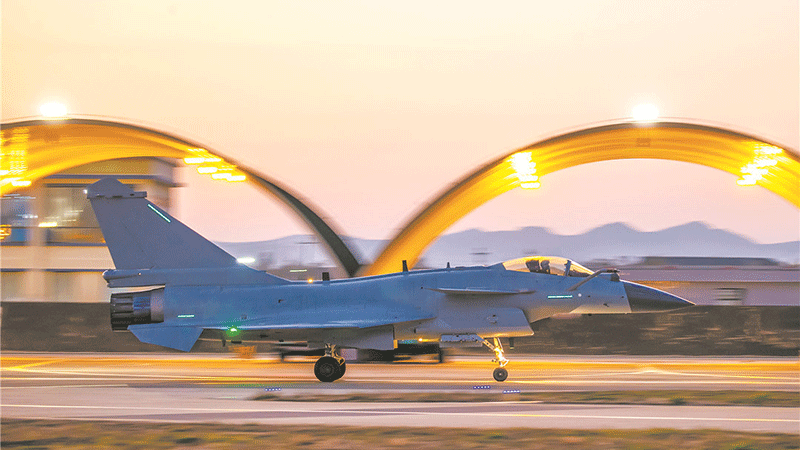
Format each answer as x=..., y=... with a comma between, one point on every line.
x=615, y=241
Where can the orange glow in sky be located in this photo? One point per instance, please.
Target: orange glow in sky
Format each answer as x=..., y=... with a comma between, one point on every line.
x=369, y=109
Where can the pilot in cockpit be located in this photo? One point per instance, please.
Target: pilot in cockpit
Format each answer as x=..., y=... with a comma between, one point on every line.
x=549, y=265
x=533, y=265
x=545, y=266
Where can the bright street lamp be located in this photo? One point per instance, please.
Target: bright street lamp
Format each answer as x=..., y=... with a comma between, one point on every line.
x=645, y=112
x=53, y=110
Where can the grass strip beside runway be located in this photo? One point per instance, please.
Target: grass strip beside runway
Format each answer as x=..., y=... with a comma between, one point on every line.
x=689, y=398
x=60, y=434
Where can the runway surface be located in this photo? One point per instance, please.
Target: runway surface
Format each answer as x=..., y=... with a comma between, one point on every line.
x=218, y=388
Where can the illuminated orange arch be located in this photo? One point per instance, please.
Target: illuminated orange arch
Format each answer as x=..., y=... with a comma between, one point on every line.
x=769, y=165
x=35, y=149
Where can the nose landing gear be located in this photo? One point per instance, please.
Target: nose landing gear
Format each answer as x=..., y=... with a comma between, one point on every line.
x=330, y=367
x=500, y=373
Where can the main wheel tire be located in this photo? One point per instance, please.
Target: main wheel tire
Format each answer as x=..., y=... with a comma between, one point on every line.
x=500, y=374
x=327, y=369
x=342, y=368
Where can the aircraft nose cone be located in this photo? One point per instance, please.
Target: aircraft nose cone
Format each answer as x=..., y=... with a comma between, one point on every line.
x=646, y=299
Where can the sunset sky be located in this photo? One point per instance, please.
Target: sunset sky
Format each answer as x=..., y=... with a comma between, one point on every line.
x=369, y=109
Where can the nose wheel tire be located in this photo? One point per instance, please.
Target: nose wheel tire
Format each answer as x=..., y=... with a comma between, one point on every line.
x=328, y=369
x=500, y=374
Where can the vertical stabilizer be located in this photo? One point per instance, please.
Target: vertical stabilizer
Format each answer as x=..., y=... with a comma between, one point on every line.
x=140, y=235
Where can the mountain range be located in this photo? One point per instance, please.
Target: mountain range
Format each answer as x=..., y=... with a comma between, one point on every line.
x=616, y=241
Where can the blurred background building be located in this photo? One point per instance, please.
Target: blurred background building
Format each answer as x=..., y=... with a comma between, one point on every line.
x=51, y=247
x=719, y=280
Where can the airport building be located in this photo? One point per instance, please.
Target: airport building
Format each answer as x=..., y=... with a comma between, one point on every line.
x=720, y=281
x=51, y=247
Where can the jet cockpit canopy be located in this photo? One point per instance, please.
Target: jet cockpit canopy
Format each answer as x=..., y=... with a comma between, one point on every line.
x=552, y=265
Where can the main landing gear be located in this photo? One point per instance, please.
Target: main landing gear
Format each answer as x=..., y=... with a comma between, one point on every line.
x=500, y=373
x=330, y=367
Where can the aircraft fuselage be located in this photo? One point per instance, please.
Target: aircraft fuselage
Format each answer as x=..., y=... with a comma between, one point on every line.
x=373, y=312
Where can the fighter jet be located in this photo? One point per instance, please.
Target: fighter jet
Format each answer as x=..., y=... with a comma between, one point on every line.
x=179, y=286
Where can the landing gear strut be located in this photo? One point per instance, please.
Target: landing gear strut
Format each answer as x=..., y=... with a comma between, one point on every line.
x=330, y=367
x=500, y=373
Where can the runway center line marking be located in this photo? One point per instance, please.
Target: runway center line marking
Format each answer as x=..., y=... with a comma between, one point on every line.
x=162, y=409
x=64, y=386
x=406, y=413
x=88, y=373
x=24, y=367
x=129, y=377
x=715, y=419
x=716, y=375
x=659, y=372
x=597, y=382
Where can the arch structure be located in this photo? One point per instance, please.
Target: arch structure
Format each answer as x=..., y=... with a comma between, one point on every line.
x=35, y=149
x=754, y=160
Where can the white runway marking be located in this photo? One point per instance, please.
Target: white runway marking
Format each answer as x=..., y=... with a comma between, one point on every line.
x=371, y=410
